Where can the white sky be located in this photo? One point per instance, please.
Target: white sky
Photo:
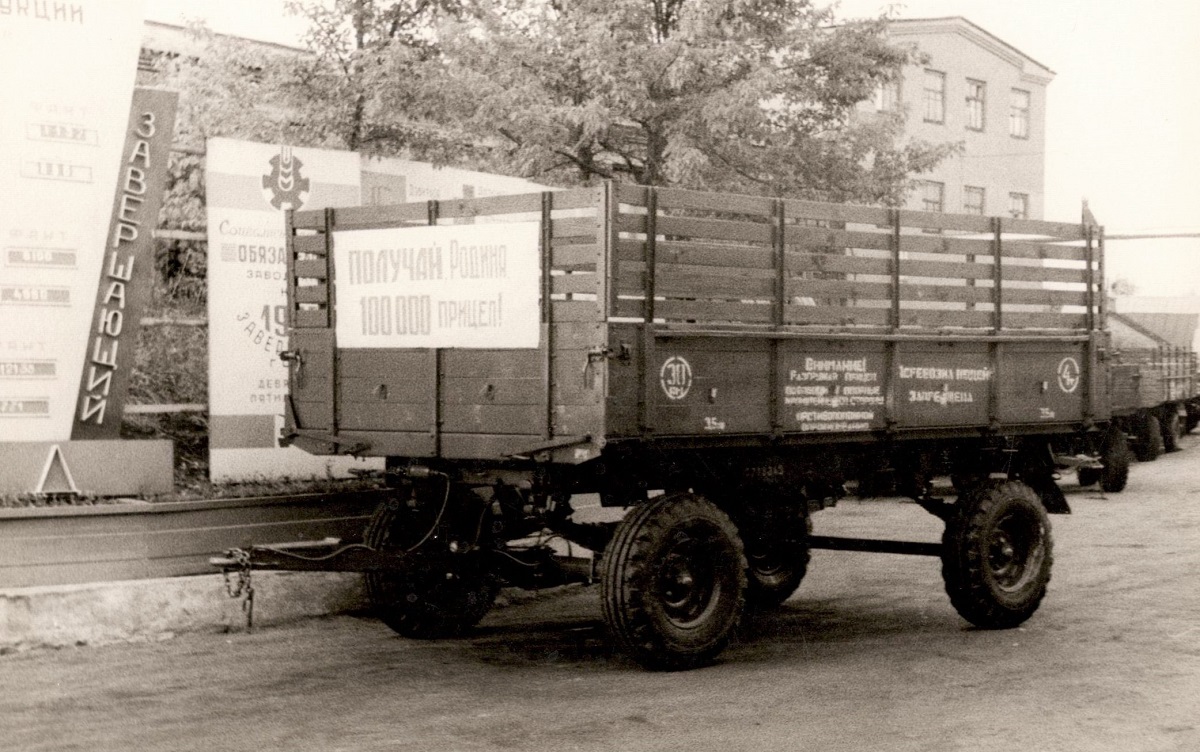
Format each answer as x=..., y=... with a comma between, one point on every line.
x=1123, y=120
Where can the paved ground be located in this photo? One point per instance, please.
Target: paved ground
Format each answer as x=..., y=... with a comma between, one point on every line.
x=868, y=655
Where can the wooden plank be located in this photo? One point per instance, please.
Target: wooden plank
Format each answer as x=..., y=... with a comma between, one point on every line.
x=1030, y=320
x=1064, y=230
x=679, y=198
x=578, y=198
x=362, y=217
x=307, y=318
x=942, y=221
x=685, y=281
x=588, y=282
x=946, y=269
x=1032, y=250
x=714, y=229
x=313, y=219
x=492, y=391
x=384, y=416
x=856, y=290
x=698, y=254
x=946, y=244
x=310, y=244
x=944, y=294
x=383, y=363
x=312, y=294
x=493, y=419
x=1013, y=272
x=1041, y=295
x=816, y=237
x=699, y=310
x=399, y=387
x=522, y=203
x=634, y=195
x=939, y=318
x=572, y=256
x=794, y=209
x=311, y=268
x=801, y=315
x=507, y=364
x=579, y=420
x=826, y=288
x=837, y=263
x=581, y=311
x=575, y=227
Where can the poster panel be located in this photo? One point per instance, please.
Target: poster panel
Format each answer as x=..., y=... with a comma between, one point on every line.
x=448, y=286
x=69, y=71
x=249, y=187
x=387, y=180
x=127, y=279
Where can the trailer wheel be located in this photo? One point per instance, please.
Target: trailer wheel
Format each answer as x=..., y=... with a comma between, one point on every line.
x=440, y=593
x=775, y=569
x=996, y=555
x=1150, y=440
x=1172, y=429
x=1116, y=458
x=674, y=582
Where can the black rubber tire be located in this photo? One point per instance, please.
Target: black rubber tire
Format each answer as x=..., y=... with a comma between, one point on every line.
x=997, y=553
x=774, y=574
x=1116, y=457
x=1089, y=476
x=673, y=585
x=1150, y=441
x=1191, y=421
x=1172, y=429
x=441, y=594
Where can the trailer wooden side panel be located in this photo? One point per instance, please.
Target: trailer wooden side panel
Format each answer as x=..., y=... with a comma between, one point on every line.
x=669, y=313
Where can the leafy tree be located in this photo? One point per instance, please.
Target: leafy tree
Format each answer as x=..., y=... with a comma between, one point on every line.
x=327, y=95
x=750, y=95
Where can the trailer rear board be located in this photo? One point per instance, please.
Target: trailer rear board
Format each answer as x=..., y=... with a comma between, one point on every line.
x=693, y=317
x=1149, y=377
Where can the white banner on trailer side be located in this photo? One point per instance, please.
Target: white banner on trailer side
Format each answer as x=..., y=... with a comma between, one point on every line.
x=250, y=186
x=68, y=78
x=470, y=286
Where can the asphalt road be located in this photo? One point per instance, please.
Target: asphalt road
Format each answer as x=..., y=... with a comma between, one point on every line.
x=868, y=655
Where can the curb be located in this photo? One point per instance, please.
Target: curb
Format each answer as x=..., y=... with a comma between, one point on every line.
x=149, y=610
x=138, y=610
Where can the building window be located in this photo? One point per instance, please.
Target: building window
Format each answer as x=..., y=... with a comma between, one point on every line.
x=973, y=199
x=1018, y=114
x=976, y=104
x=935, y=96
x=1018, y=205
x=887, y=96
x=932, y=195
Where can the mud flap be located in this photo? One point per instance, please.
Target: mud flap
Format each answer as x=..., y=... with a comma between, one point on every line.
x=1051, y=495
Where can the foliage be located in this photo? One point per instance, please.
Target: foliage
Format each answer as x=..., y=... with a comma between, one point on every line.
x=749, y=95
x=327, y=95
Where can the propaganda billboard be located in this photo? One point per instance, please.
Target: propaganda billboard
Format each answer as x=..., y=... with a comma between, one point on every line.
x=69, y=71
x=249, y=187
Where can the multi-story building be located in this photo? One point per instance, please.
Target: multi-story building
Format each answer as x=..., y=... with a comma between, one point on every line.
x=975, y=89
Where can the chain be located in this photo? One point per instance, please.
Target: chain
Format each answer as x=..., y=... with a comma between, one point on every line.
x=244, y=586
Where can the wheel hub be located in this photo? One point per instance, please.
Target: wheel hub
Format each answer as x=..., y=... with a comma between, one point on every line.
x=687, y=585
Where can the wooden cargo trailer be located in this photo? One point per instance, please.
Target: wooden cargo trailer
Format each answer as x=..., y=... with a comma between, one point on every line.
x=722, y=365
x=1155, y=397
